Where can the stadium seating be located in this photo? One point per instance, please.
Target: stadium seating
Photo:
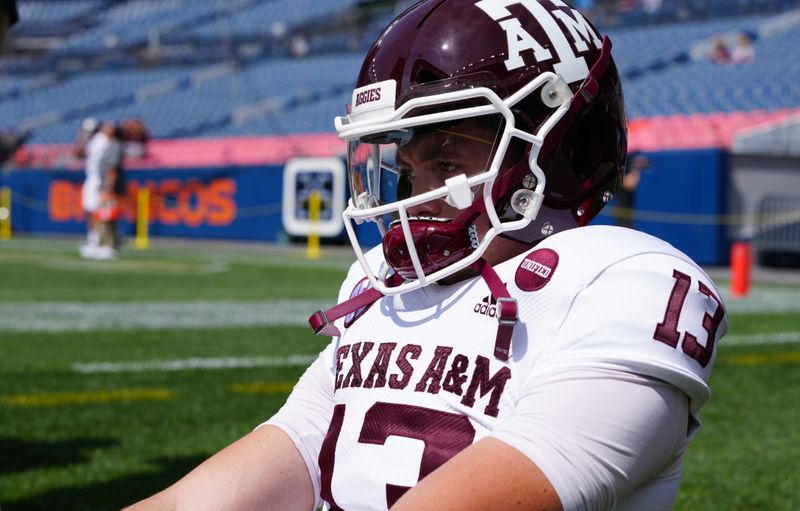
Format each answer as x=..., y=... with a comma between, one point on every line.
x=284, y=13
x=199, y=89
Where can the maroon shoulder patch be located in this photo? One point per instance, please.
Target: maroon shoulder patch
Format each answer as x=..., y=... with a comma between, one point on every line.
x=363, y=285
x=536, y=269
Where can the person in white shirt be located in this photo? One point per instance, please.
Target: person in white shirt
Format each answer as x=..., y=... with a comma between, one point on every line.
x=743, y=52
x=103, y=169
x=495, y=351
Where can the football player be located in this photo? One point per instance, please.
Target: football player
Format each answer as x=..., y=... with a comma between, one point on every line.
x=495, y=352
x=104, y=161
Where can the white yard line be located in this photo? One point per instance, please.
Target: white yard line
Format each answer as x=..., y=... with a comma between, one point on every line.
x=189, y=364
x=300, y=360
x=760, y=301
x=85, y=317
x=761, y=339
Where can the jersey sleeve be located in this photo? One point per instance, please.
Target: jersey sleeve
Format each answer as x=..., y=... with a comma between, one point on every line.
x=652, y=314
x=306, y=415
x=604, y=438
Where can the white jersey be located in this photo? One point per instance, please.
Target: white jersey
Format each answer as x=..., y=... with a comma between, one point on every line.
x=608, y=319
x=102, y=154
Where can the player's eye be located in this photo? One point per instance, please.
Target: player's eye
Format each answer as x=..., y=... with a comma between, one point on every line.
x=448, y=168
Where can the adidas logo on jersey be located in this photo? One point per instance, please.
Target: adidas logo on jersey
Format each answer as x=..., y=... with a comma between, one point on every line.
x=486, y=307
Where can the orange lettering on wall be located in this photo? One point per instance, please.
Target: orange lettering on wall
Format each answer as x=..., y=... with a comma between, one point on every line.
x=192, y=215
x=64, y=201
x=168, y=210
x=221, y=202
x=172, y=202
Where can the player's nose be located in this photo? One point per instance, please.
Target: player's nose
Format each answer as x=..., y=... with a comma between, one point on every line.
x=422, y=183
x=430, y=208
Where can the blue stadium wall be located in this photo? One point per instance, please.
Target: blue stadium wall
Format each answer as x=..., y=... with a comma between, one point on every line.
x=678, y=200
x=232, y=203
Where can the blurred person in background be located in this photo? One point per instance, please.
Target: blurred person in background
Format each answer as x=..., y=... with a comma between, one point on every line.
x=651, y=6
x=720, y=53
x=135, y=137
x=494, y=351
x=743, y=52
x=626, y=195
x=104, y=161
x=10, y=143
x=8, y=17
x=89, y=128
x=111, y=204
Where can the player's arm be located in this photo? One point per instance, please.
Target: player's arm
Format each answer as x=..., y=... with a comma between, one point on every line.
x=263, y=470
x=580, y=439
x=111, y=180
x=490, y=474
x=271, y=467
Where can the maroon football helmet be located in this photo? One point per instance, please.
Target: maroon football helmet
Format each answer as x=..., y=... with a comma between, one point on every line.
x=508, y=109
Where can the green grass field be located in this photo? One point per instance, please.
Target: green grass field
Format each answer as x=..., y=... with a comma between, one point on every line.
x=118, y=377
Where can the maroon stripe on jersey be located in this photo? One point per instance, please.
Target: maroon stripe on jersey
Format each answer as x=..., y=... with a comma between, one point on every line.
x=327, y=456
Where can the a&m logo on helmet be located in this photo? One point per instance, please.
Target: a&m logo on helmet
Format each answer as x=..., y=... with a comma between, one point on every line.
x=569, y=33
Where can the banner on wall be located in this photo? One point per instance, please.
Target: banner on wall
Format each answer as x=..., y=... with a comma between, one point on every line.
x=240, y=203
x=244, y=203
x=679, y=200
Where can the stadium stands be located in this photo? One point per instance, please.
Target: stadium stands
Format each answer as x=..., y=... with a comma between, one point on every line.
x=225, y=69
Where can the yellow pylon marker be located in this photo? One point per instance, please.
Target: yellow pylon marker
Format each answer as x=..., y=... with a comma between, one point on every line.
x=142, y=218
x=5, y=213
x=314, y=207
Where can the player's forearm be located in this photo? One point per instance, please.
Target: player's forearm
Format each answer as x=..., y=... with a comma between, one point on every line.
x=263, y=470
x=489, y=474
x=158, y=502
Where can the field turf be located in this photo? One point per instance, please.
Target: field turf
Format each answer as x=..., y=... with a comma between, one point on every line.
x=118, y=377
